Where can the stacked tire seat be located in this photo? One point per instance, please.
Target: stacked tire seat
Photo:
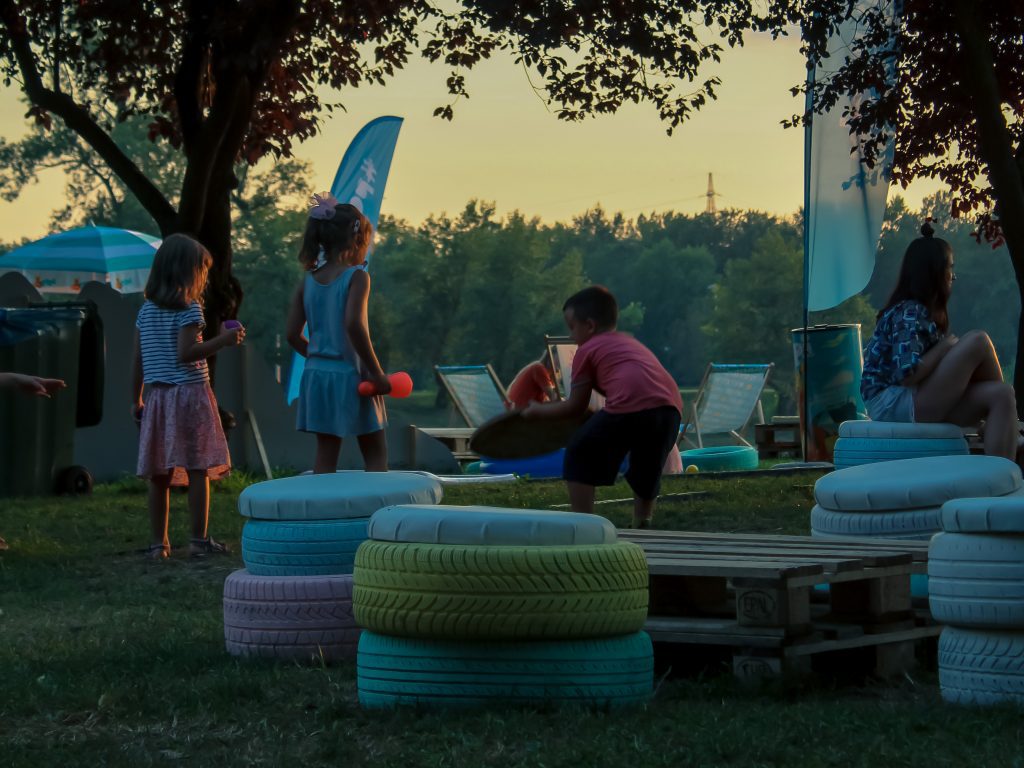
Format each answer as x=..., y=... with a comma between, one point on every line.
x=976, y=577
x=869, y=442
x=902, y=499
x=293, y=600
x=471, y=605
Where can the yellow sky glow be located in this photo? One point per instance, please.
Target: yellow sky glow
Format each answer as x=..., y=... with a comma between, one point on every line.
x=505, y=146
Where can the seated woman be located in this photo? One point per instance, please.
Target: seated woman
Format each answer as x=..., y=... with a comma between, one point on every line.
x=915, y=370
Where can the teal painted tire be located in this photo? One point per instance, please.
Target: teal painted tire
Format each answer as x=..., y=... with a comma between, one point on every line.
x=612, y=672
x=314, y=548
x=722, y=458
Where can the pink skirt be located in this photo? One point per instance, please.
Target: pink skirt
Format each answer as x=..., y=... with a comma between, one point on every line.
x=181, y=433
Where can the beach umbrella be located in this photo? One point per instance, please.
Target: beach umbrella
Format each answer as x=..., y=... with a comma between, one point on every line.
x=66, y=261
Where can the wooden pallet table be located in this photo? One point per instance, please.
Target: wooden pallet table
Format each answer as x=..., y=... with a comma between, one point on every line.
x=756, y=595
x=774, y=440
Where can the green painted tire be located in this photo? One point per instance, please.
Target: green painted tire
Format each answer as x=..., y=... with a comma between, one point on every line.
x=612, y=672
x=463, y=592
x=722, y=458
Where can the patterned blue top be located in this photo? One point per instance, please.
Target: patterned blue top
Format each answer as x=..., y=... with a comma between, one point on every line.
x=903, y=334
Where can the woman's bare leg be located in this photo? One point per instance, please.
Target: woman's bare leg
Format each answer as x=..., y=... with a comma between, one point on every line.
x=995, y=402
x=989, y=369
x=972, y=360
x=374, y=447
x=327, y=449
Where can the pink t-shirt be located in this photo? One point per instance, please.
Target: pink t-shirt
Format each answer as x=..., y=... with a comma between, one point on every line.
x=626, y=372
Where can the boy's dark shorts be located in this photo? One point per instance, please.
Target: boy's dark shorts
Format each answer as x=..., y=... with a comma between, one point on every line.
x=599, y=447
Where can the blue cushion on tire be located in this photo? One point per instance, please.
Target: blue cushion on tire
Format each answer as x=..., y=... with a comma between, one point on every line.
x=444, y=524
x=336, y=496
x=984, y=515
x=898, y=430
x=916, y=483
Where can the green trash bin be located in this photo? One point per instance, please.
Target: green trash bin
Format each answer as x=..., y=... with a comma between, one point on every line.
x=37, y=433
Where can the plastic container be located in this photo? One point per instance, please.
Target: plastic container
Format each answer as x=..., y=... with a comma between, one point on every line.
x=835, y=362
x=37, y=433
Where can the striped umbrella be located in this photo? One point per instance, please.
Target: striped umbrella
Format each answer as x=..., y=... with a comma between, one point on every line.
x=66, y=261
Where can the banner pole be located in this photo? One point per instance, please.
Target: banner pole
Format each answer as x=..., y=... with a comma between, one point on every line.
x=808, y=112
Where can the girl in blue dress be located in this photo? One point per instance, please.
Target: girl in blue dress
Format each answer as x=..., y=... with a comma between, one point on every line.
x=916, y=370
x=331, y=302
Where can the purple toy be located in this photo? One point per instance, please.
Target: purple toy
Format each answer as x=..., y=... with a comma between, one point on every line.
x=232, y=324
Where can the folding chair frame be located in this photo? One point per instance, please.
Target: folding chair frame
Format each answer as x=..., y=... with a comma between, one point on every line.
x=552, y=343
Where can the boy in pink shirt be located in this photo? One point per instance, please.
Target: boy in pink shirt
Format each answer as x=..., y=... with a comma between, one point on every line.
x=641, y=413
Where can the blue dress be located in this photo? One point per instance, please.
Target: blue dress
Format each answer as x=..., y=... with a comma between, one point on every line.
x=329, y=402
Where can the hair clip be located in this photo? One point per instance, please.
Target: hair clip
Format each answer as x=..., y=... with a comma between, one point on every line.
x=322, y=206
x=356, y=225
x=321, y=261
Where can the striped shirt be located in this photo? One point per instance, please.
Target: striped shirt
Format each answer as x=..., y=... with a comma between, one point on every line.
x=158, y=337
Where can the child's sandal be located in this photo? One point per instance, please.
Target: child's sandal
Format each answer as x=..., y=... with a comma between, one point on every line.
x=158, y=552
x=642, y=524
x=207, y=546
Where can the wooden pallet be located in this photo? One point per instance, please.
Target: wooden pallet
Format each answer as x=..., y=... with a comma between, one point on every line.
x=775, y=440
x=755, y=596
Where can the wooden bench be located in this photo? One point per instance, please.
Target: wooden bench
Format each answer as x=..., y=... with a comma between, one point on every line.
x=759, y=597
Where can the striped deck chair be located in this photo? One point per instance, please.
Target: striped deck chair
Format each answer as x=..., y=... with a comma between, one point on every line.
x=726, y=401
x=475, y=391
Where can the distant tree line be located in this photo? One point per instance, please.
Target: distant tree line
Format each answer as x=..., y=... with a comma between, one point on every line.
x=478, y=288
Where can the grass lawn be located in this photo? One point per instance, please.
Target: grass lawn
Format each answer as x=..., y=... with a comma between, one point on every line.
x=106, y=659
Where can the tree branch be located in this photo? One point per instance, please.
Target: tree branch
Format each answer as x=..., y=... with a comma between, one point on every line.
x=80, y=121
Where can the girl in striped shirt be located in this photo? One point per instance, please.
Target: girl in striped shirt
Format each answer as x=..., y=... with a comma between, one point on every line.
x=181, y=441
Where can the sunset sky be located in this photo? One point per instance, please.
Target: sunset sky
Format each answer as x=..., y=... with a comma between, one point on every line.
x=505, y=146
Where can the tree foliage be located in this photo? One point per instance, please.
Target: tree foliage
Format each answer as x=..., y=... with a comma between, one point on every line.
x=231, y=82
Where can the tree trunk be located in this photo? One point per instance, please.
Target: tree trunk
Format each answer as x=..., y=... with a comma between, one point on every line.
x=995, y=145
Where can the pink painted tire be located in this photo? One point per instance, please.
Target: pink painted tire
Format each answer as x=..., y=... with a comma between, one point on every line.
x=296, y=618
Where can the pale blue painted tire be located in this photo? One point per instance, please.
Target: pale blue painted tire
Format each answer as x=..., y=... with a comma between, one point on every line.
x=312, y=548
x=981, y=666
x=915, y=524
x=611, y=672
x=977, y=580
x=722, y=458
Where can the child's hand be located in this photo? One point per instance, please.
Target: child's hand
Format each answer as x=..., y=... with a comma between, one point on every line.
x=37, y=385
x=381, y=383
x=137, y=412
x=532, y=410
x=232, y=336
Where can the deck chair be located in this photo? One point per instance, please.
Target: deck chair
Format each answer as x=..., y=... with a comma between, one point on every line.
x=477, y=395
x=726, y=401
x=475, y=391
x=561, y=351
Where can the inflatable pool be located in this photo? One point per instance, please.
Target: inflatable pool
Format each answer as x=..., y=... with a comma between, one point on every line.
x=722, y=458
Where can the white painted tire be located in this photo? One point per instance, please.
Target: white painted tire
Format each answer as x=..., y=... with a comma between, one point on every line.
x=981, y=667
x=917, y=524
x=977, y=580
x=297, y=618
